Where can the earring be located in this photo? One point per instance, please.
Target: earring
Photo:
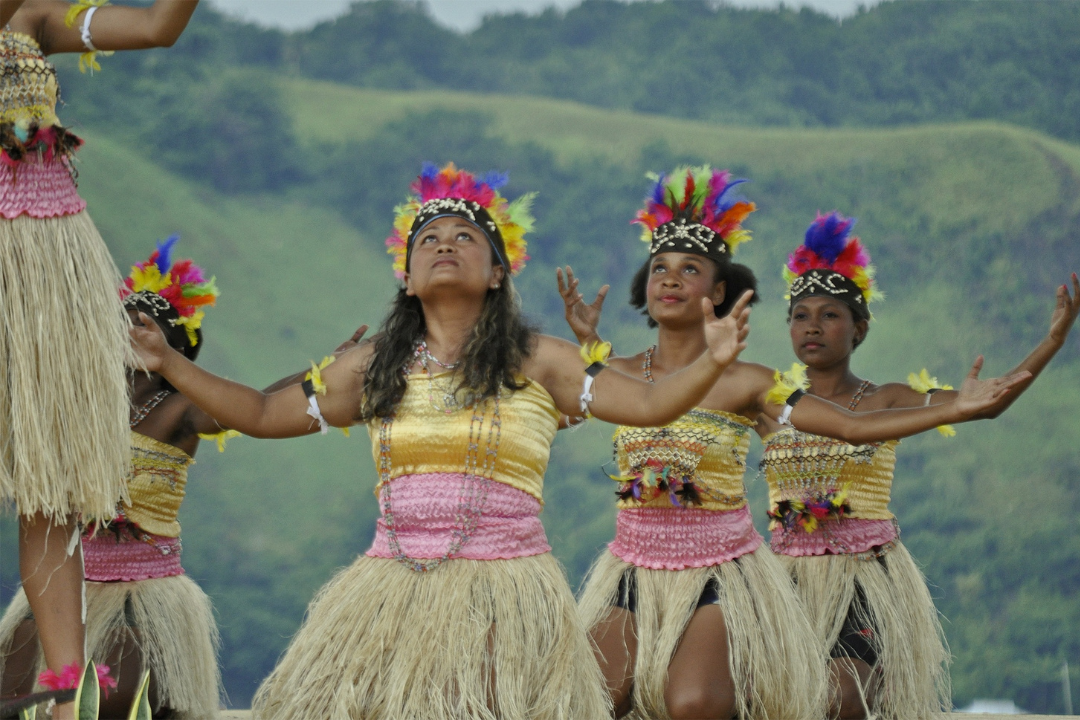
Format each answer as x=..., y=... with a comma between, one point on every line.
x=496, y=286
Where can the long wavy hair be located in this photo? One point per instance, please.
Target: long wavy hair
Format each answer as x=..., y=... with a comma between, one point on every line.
x=738, y=278
x=492, y=360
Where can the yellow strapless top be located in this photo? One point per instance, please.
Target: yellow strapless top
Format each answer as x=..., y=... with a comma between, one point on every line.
x=798, y=465
x=156, y=485
x=28, y=86
x=707, y=447
x=426, y=440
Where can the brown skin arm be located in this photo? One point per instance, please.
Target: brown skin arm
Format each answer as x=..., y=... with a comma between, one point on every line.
x=821, y=417
x=629, y=400
x=297, y=378
x=250, y=411
x=114, y=27
x=1066, y=309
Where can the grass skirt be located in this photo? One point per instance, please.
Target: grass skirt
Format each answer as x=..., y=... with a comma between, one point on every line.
x=773, y=652
x=471, y=639
x=64, y=442
x=912, y=655
x=177, y=637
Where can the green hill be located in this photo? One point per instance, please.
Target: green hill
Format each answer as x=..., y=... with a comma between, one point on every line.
x=971, y=226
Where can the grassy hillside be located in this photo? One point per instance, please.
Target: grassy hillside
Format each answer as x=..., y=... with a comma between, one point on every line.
x=971, y=226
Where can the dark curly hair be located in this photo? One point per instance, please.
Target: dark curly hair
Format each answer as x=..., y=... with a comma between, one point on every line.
x=175, y=335
x=738, y=279
x=492, y=359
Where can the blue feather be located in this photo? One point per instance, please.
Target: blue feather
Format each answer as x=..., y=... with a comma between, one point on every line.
x=827, y=236
x=495, y=179
x=719, y=205
x=658, y=194
x=164, y=259
x=430, y=171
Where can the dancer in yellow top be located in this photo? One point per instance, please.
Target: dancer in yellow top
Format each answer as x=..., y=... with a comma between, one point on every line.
x=62, y=329
x=831, y=523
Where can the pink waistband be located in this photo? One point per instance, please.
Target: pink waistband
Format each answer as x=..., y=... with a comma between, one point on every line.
x=848, y=536
x=426, y=512
x=106, y=559
x=39, y=189
x=679, y=538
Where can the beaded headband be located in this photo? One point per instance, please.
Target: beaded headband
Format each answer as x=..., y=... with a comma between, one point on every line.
x=690, y=211
x=164, y=286
x=833, y=263
x=452, y=192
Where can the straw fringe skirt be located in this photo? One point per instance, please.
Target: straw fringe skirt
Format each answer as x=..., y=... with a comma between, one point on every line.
x=912, y=655
x=772, y=650
x=176, y=635
x=63, y=392
x=478, y=639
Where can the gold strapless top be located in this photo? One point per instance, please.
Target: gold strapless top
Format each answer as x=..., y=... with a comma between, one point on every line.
x=28, y=87
x=156, y=485
x=426, y=440
x=799, y=465
x=705, y=447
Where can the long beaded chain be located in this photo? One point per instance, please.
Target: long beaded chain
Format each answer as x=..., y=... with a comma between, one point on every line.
x=423, y=357
x=646, y=366
x=140, y=413
x=475, y=484
x=857, y=397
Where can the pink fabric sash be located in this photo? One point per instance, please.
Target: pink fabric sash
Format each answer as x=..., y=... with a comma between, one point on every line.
x=426, y=514
x=107, y=560
x=849, y=536
x=680, y=538
x=39, y=189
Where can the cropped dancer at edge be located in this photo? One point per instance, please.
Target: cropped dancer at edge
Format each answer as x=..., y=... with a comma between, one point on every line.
x=692, y=615
x=143, y=612
x=831, y=524
x=458, y=610
x=63, y=341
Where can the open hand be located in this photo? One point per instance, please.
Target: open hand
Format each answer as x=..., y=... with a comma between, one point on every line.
x=978, y=395
x=351, y=342
x=1065, y=312
x=149, y=343
x=583, y=319
x=726, y=336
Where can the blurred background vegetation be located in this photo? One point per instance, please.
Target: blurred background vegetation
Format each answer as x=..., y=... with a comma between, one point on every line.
x=949, y=129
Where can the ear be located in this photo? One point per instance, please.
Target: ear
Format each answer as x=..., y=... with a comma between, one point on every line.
x=408, y=285
x=719, y=293
x=862, y=327
x=498, y=273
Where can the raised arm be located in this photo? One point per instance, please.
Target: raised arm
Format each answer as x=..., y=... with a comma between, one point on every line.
x=1066, y=309
x=821, y=417
x=626, y=400
x=582, y=318
x=250, y=411
x=112, y=27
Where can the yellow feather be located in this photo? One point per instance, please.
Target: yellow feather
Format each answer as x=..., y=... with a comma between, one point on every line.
x=222, y=437
x=923, y=383
x=315, y=375
x=595, y=352
x=787, y=383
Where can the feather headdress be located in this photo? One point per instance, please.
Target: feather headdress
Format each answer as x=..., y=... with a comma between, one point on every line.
x=164, y=284
x=831, y=261
x=693, y=210
x=450, y=191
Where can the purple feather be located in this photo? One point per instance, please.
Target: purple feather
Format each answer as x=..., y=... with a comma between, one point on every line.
x=827, y=236
x=658, y=194
x=164, y=258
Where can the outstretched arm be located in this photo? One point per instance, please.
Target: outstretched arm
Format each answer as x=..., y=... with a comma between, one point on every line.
x=8, y=8
x=582, y=318
x=251, y=411
x=626, y=400
x=821, y=417
x=1066, y=309
x=297, y=378
x=113, y=27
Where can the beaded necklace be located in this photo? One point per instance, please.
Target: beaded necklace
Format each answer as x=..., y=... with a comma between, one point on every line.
x=646, y=366
x=141, y=412
x=423, y=357
x=475, y=483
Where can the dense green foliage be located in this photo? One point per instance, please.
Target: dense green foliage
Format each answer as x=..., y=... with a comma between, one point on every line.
x=283, y=188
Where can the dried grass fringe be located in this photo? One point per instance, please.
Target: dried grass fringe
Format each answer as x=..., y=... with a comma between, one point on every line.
x=913, y=657
x=64, y=445
x=381, y=641
x=178, y=637
x=772, y=649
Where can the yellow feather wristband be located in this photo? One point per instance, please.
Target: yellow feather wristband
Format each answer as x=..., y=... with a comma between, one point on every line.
x=222, y=437
x=923, y=383
x=315, y=375
x=787, y=383
x=595, y=352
